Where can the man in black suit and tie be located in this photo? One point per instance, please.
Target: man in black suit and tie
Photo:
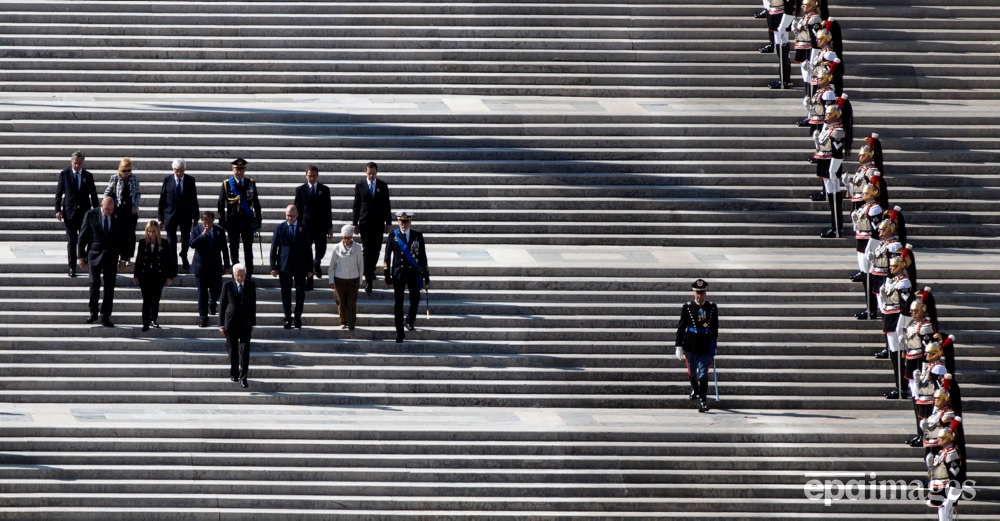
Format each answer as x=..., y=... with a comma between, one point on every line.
x=100, y=249
x=75, y=194
x=372, y=218
x=178, y=208
x=406, y=269
x=312, y=200
x=237, y=318
x=291, y=261
x=211, y=262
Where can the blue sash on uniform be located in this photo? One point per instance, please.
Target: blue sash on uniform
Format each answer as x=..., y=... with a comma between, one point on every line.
x=405, y=250
x=243, y=202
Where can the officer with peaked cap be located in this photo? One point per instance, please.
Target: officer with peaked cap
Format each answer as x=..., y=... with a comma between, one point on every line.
x=239, y=213
x=697, y=334
x=406, y=270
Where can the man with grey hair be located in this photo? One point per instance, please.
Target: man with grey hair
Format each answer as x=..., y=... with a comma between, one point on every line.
x=237, y=318
x=76, y=193
x=178, y=208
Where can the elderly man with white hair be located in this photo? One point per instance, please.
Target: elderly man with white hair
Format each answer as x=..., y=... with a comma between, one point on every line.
x=237, y=318
x=347, y=269
x=178, y=208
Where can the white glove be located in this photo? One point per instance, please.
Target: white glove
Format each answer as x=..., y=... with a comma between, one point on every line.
x=679, y=352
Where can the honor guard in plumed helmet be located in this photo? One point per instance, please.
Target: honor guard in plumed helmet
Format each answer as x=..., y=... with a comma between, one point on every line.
x=941, y=414
x=893, y=296
x=866, y=218
x=832, y=143
x=946, y=470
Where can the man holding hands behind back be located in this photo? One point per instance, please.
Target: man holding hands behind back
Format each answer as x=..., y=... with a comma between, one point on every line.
x=101, y=250
x=697, y=334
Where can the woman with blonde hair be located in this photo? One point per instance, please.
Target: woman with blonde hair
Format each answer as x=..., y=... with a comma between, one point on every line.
x=346, y=271
x=154, y=267
x=123, y=187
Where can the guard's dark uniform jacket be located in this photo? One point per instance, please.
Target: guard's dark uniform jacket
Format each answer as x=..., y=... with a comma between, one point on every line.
x=698, y=329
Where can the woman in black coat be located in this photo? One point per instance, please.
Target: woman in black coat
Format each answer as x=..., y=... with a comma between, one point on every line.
x=155, y=265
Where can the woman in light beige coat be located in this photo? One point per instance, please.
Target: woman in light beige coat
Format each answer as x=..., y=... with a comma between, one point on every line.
x=346, y=272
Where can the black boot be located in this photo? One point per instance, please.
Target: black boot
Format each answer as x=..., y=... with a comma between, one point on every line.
x=769, y=48
x=818, y=196
x=833, y=231
x=703, y=388
x=802, y=123
x=760, y=14
x=858, y=277
x=694, y=389
x=883, y=354
x=894, y=394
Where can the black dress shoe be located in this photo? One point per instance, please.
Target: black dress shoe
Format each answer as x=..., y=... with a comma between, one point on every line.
x=769, y=48
x=830, y=234
x=399, y=337
x=91, y=319
x=309, y=284
x=107, y=322
x=203, y=322
x=298, y=323
x=213, y=309
x=185, y=265
x=409, y=327
x=892, y=395
x=883, y=354
x=812, y=160
x=72, y=273
x=154, y=324
x=244, y=384
x=693, y=395
x=778, y=85
x=858, y=277
x=916, y=441
x=818, y=197
x=760, y=14
x=144, y=328
x=368, y=287
x=802, y=123
x=862, y=315
x=703, y=407
x=288, y=324
x=233, y=379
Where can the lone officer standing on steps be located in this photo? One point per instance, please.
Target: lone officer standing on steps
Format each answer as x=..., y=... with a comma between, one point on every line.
x=239, y=213
x=697, y=334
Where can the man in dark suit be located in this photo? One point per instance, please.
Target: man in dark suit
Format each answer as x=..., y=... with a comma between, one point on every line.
x=372, y=218
x=102, y=237
x=75, y=194
x=291, y=261
x=237, y=318
x=312, y=200
x=211, y=262
x=178, y=208
x=239, y=213
x=406, y=269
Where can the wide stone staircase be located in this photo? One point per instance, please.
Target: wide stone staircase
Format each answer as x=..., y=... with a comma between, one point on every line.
x=549, y=178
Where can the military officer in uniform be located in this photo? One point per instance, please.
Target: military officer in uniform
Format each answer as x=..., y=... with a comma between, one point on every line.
x=240, y=215
x=406, y=269
x=697, y=334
